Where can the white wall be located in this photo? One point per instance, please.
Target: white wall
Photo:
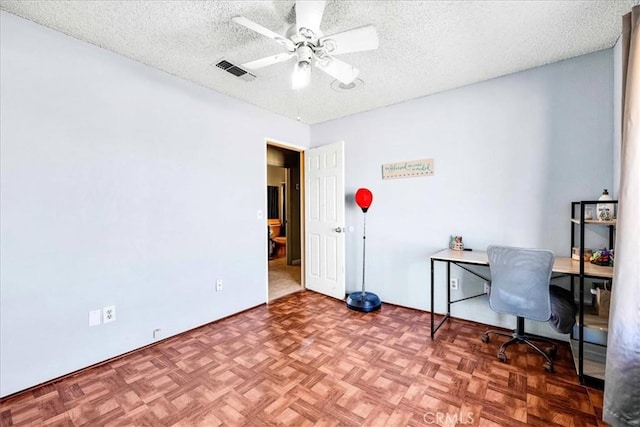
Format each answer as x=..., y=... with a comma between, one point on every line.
x=510, y=155
x=120, y=185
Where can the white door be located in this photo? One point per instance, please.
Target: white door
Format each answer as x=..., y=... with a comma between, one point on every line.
x=324, y=218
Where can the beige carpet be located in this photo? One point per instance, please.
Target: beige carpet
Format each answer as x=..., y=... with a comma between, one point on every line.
x=283, y=279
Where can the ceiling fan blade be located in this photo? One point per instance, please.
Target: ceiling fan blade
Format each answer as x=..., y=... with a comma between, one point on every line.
x=309, y=15
x=338, y=69
x=354, y=40
x=264, y=31
x=269, y=60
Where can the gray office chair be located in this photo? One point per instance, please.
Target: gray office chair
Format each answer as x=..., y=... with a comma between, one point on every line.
x=520, y=286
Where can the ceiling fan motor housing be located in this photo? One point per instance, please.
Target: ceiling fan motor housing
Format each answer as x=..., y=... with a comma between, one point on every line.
x=304, y=54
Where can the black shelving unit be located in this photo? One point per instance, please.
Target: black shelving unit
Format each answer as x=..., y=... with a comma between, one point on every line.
x=589, y=337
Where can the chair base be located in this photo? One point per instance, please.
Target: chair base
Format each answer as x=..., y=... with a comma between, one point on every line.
x=518, y=336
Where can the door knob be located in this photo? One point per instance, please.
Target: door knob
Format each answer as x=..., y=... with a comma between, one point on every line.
x=339, y=229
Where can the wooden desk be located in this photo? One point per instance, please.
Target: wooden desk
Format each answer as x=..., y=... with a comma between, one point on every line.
x=561, y=265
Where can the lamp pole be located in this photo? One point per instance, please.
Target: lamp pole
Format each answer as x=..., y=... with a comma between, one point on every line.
x=364, y=243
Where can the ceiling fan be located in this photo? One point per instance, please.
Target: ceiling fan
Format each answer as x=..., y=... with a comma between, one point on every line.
x=305, y=42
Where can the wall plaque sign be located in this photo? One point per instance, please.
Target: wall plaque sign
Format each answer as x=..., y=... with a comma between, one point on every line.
x=408, y=169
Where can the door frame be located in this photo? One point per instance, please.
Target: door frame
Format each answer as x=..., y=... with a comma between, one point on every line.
x=300, y=150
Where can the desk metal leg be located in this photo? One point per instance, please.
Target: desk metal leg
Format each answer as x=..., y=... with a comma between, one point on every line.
x=435, y=327
x=433, y=331
x=447, y=284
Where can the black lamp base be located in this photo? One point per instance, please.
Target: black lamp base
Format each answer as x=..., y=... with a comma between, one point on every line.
x=363, y=301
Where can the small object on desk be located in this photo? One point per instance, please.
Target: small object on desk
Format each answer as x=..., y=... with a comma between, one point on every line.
x=456, y=243
x=602, y=257
x=467, y=249
x=575, y=253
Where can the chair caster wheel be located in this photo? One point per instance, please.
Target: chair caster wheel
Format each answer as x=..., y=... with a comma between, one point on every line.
x=485, y=338
x=548, y=367
x=552, y=352
x=502, y=357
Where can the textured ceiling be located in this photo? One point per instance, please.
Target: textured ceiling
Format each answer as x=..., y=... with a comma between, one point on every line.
x=425, y=46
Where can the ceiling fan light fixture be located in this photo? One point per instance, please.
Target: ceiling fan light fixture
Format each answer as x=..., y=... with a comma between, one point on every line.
x=301, y=75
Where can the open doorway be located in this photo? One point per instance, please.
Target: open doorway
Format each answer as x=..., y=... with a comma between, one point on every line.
x=284, y=224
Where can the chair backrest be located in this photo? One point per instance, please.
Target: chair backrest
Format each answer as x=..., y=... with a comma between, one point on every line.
x=520, y=281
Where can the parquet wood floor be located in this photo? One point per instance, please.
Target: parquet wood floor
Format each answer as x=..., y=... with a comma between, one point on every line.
x=307, y=360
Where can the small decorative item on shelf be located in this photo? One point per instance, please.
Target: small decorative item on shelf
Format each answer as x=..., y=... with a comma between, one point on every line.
x=602, y=257
x=605, y=210
x=456, y=243
x=602, y=299
x=575, y=254
x=588, y=212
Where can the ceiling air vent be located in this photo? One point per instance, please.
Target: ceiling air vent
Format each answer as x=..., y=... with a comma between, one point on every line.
x=235, y=70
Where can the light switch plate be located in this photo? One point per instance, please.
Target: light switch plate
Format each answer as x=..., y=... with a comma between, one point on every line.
x=95, y=317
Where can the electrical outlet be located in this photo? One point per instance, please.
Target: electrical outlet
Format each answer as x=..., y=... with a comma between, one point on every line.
x=109, y=314
x=454, y=284
x=95, y=317
x=487, y=287
x=218, y=285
